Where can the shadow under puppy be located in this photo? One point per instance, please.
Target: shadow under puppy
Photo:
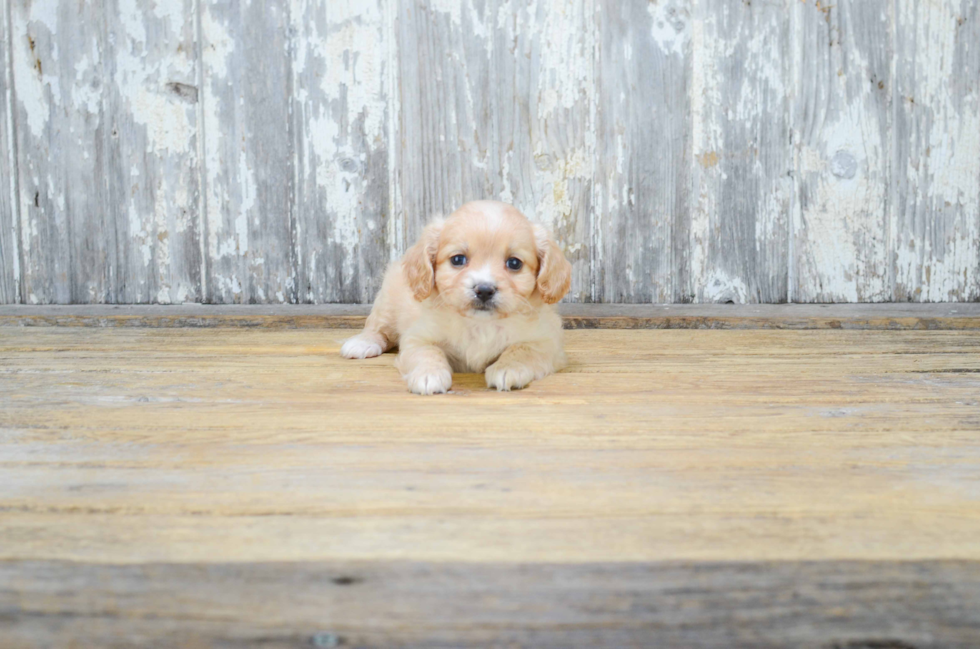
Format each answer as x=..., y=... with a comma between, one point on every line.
x=474, y=294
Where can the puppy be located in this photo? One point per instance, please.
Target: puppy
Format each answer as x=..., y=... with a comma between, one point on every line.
x=474, y=294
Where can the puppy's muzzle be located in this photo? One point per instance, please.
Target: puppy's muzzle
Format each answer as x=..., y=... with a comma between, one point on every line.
x=484, y=296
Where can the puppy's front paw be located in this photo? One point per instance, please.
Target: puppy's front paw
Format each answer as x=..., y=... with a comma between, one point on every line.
x=435, y=382
x=361, y=346
x=505, y=375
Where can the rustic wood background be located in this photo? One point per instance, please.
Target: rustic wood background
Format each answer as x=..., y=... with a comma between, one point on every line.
x=285, y=151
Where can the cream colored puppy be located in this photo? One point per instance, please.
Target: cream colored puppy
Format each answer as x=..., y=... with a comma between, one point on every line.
x=474, y=294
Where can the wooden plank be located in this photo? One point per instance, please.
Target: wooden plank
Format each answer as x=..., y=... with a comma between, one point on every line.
x=444, y=136
x=935, y=234
x=134, y=446
x=851, y=605
x=248, y=154
x=741, y=184
x=339, y=66
x=950, y=316
x=841, y=130
x=62, y=135
x=706, y=488
x=9, y=237
x=642, y=181
x=494, y=101
x=152, y=167
x=542, y=92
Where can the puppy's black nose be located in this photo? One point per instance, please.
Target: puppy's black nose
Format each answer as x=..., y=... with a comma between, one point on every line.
x=485, y=292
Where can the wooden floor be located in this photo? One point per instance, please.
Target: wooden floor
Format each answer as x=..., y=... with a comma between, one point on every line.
x=248, y=487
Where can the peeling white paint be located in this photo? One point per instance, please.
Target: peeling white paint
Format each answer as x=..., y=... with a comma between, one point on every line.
x=451, y=7
x=396, y=215
x=566, y=51
x=346, y=104
x=935, y=229
x=11, y=188
x=707, y=137
x=171, y=11
x=843, y=214
x=247, y=179
x=671, y=27
x=217, y=48
x=37, y=92
x=719, y=287
x=554, y=206
x=345, y=42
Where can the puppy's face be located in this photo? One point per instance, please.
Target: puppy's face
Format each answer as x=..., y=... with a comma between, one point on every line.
x=488, y=260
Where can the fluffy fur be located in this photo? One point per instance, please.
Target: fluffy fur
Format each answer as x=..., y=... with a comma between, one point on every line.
x=428, y=306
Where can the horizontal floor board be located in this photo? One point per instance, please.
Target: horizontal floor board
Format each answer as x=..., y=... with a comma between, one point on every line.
x=690, y=488
x=853, y=605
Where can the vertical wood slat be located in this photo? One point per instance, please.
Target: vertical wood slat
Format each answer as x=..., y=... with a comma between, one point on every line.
x=61, y=143
x=339, y=68
x=935, y=231
x=841, y=122
x=446, y=99
x=248, y=160
x=495, y=101
x=542, y=94
x=9, y=238
x=152, y=167
x=741, y=185
x=643, y=154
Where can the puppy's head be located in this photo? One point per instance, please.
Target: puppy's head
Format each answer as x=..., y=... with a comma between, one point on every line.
x=487, y=259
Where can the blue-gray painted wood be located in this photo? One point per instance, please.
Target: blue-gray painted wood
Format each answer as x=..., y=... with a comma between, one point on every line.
x=935, y=218
x=152, y=166
x=249, y=167
x=215, y=151
x=842, y=141
x=644, y=157
x=340, y=69
x=62, y=134
x=9, y=222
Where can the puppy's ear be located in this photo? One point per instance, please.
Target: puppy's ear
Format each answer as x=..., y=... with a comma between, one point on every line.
x=554, y=271
x=420, y=261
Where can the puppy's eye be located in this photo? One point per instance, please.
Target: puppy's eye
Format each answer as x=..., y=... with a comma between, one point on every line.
x=458, y=260
x=514, y=263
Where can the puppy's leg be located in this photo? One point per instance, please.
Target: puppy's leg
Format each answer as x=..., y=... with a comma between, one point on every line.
x=425, y=368
x=522, y=363
x=366, y=344
x=378, y=335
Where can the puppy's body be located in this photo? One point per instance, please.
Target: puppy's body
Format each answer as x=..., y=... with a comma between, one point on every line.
x=475, y=294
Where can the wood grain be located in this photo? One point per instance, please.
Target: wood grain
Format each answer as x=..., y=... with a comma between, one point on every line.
x=842, y=119
x=543, y=122
x=845, y=605
x=248, y=159
x=9, y=221
x=284, y=152
x=152, y=168
x=935, y=236
x=495, y=101
x=339, y=67
x=62, y=136
x=186, y=445
x=705, y=488
x=741, y=184
x=445, y=152
x=643, y=152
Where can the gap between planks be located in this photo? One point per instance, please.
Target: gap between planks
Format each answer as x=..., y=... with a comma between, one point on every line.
x=946, y=316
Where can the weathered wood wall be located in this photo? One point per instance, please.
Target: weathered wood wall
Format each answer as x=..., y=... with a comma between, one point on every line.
x=285, y=151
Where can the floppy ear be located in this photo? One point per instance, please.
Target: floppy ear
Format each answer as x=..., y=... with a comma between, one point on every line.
x=420, y=260
x=554, y=271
